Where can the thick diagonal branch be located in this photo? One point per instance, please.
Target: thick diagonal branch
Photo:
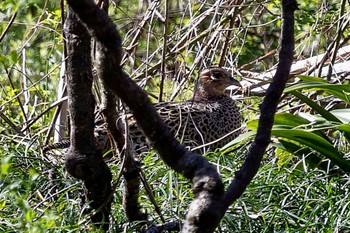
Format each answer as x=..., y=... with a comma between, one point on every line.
x=130, y=168
x=208, y=187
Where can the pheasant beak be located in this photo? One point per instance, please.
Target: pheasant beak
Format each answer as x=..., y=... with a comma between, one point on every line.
x=234, y=82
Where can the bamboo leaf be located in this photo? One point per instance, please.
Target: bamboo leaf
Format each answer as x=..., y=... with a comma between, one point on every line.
x=240, y=139
x=306, y=78
x=315, y=142
x=319, y=109
x=341, y=91
x=289, y=119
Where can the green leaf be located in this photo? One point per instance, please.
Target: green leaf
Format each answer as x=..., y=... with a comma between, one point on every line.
x=342, y=114
x=344, y=128
x=289, y=119
x=342, y=91
x=306, y=78
x=30, y=215
x=285, y=120
x=323, y=112
x=252, y=124
x=315, y=142
x=240, y=139
x=302, y=152
x=5, y=165
x=319, y=109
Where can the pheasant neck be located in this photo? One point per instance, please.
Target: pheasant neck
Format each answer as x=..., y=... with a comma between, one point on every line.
x=203, y=94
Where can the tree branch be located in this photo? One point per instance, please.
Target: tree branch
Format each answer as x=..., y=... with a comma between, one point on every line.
x=130, y=168
x=267, y=108
x=210, y=201
x=208, y=187
x=82, y=159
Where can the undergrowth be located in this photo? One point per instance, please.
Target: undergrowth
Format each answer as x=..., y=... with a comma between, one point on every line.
x=38, y=196
x=287, y=195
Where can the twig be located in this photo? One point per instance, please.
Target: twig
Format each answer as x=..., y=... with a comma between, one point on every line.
x=56, y=103
x=254, y=62
x=164, y=51
x=11, y=124
x=132, y=46
x=8, y=26
x=228, y=33
x=17, y=95
x=337, y=39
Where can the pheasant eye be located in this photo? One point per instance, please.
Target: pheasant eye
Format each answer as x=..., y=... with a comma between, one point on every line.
x=216, y=76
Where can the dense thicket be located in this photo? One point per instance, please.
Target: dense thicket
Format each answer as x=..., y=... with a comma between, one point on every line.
x=302, y=184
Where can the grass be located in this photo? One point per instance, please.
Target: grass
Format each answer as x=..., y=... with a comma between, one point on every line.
x=38, y=196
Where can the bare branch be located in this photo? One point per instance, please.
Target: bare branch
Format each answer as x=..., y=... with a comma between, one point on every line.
x=204, y=214
x=267, y=108
x=8, y=26
x=210, y=203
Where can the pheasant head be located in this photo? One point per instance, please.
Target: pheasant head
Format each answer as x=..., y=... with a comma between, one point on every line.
x=212, y=83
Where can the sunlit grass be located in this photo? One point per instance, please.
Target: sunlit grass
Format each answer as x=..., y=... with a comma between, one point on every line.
x=279, y=199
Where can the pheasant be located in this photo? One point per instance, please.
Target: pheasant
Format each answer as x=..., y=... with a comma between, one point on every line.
x=208, y=120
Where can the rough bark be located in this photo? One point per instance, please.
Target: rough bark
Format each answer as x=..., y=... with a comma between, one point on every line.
x=82, y=159
x=268, y=107
x=210, y=201
x=208, y=187
x=130, y=168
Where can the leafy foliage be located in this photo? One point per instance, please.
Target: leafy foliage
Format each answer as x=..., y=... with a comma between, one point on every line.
x=302, y=184
x=312, y=133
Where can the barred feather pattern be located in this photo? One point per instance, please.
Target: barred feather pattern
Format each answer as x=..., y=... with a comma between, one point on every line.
x=198, y=125
x=209, y=120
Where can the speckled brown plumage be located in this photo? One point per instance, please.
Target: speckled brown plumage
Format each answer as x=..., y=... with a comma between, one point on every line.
x=210, y=119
